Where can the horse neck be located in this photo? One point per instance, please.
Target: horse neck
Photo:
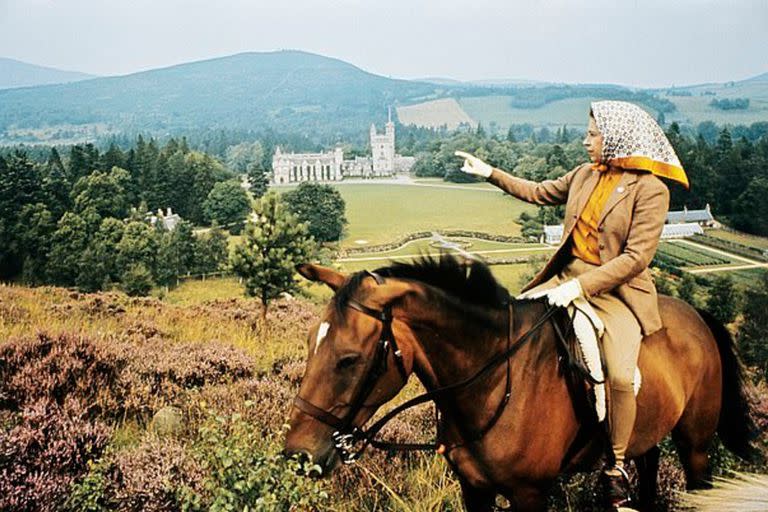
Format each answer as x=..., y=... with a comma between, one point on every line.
x=444, y=357
x=451, y=344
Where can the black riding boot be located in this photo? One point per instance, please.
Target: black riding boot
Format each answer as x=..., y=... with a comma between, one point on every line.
x=615, y=483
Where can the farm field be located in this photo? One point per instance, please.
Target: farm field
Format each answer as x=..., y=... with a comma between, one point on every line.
x=696, y=109
x=742, y=238
x=572, y=111
x=689, y=256
x=434, y=114
x=497, y=109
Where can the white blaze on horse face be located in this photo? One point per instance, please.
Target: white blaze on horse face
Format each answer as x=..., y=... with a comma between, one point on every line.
x=322, y=331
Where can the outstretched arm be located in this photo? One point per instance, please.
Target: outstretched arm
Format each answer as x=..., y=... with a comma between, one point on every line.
x=648, y=218
x=547, y=192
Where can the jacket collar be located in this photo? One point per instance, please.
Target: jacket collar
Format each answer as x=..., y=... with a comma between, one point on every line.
x=628, y=177
x=621, y=191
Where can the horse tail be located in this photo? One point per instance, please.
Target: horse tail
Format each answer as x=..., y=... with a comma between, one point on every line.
x=736, y=427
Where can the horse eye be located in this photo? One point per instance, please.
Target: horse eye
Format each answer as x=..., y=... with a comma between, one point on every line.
x=347, y=361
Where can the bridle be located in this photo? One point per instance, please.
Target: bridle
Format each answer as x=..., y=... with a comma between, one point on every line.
x=350, y=441
x=346, y=435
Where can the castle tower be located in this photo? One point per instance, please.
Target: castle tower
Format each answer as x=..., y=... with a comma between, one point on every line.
x=389, y=131
x=383, y=148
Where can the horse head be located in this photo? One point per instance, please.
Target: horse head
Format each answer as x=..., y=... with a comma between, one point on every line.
x=358, y=358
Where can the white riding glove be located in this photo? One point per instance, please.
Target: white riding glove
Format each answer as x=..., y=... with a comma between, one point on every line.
x=561, y=295
x=473, y=165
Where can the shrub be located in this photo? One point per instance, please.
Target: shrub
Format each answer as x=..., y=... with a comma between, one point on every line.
x=43, y=454
x=244, y=470
x=43, y=367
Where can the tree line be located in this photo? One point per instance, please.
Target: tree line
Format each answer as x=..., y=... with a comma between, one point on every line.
x=730, y=174
x=82, y=220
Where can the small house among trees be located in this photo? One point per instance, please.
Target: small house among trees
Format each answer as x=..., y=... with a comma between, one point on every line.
x=169, y=220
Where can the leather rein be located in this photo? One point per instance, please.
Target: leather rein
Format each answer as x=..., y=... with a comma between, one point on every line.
x=351, y=441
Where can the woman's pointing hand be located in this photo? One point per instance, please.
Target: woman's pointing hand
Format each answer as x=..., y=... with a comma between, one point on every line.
x=473, y=165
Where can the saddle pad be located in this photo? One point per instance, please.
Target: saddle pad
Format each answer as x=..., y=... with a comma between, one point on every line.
x=587, y=326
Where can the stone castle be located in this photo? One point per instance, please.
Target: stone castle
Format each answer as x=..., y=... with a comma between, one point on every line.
x=331, y=165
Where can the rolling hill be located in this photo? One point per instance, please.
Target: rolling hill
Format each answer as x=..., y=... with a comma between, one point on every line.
x=285, y=90
x=14, y=73
x=327, y=100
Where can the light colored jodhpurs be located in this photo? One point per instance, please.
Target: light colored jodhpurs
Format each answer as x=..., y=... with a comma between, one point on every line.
x=620, y=345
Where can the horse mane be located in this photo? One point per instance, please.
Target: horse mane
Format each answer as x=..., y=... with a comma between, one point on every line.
x=471, y=283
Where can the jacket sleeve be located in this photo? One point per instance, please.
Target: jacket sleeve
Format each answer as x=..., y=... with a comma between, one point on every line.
x=648, y=217
x=545, y=193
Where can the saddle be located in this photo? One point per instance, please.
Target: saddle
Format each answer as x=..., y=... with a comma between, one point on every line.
x=580, y=356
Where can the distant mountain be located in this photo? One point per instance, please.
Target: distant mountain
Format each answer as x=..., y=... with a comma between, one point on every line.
x=285, y=90
x=324, y=99
x=14, y=73
x=758, y=78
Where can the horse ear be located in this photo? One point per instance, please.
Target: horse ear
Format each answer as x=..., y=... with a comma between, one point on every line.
x=319, y=273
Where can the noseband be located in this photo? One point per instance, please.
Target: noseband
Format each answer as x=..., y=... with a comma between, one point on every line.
x=350, y=441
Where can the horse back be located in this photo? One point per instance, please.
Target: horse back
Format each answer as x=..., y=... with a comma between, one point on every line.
x=680, y=368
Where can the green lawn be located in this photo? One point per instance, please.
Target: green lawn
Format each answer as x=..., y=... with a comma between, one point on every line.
x=385, y=213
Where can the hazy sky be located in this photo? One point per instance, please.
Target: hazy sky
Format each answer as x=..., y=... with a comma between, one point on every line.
x=634, y=42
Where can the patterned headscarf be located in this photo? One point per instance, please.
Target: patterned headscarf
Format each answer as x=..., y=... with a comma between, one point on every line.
x=633, y=140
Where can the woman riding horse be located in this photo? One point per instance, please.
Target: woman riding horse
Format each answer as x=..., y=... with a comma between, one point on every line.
x=616, y=208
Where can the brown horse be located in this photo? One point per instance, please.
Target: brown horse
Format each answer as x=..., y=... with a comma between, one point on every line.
x=444, y=320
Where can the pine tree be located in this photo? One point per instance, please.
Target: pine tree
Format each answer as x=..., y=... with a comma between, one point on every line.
x=68, y=244
x=56, y=186
x=258, y=180
x=273, y=244
x=35, y=229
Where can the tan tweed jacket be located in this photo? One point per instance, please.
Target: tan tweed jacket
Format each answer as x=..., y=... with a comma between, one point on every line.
x=629, y=229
